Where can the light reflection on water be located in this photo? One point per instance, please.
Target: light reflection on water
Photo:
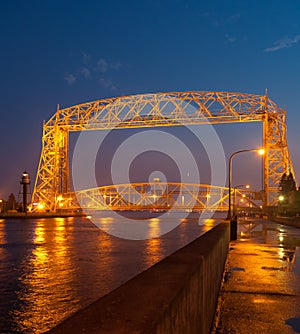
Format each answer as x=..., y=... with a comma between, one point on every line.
x=285, y=239
x=48, y=265
x=52, y=267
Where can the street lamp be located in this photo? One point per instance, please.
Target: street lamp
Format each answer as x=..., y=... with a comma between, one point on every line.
x=260, y=151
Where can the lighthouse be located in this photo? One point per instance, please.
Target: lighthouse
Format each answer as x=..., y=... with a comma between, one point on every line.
x=25, y=182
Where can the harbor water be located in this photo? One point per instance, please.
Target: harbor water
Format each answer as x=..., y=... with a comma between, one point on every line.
x=50, y=268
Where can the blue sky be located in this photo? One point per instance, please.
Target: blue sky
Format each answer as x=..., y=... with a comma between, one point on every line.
x=69, y=52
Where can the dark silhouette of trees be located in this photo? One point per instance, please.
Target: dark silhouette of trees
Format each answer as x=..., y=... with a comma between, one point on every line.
x=11, y=203
x=290, y=201
x=287, y=184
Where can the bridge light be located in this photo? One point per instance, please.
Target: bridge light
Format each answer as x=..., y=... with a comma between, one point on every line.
x=261, y=151
x=40, y=206
x=281, y=198
x=59, y=198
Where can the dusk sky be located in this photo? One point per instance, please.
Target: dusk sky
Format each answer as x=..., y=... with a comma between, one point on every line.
x=70, y=52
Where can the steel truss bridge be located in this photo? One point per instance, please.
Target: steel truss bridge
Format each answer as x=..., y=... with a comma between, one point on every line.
x=153, y=110
x=159, y=196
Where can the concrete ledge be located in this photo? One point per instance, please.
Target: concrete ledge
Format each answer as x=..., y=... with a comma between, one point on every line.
x=290, y=221
x=177, y=295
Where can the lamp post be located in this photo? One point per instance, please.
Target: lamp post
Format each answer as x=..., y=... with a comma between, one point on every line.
x=260, y=151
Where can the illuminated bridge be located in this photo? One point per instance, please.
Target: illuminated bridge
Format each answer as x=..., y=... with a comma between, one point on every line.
x=153, y=110
x=158, y=196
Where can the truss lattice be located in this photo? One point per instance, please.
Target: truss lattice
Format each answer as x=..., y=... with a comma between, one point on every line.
x=158, y=196
x=161, y=109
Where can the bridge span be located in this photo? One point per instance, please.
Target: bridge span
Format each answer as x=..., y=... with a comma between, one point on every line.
x=157, y=196
x=153, y=110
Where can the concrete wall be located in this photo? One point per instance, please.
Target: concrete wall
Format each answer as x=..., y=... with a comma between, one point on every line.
x=290, y=221
x=177, y=295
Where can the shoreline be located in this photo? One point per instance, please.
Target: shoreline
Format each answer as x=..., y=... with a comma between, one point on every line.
x=30, y=215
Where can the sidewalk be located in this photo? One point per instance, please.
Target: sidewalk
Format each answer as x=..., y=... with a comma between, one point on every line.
x=261, y=288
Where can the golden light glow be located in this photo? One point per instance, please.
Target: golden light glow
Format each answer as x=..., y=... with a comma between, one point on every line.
x=263, y=301
x=39, y=237
x=207, y=224
x=261, y=151
x=2, y=241
x=247, y=186
x=281, y=198
x=153, y=245
x=53, y=174
x=40, y=206
x=154, y=230
x=217, y=197
x=46, y=278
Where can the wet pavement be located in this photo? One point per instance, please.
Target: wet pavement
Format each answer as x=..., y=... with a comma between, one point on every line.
x=261, y=288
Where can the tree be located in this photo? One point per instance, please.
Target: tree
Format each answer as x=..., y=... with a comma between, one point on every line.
x=287, y=184
x=282, y=184
x=287, y=189
x=11, y=203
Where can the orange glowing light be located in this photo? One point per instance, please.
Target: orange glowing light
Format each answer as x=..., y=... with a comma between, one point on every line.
x=40, y=206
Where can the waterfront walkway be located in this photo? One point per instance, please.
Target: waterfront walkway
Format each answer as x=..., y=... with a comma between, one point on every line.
x=261, y=288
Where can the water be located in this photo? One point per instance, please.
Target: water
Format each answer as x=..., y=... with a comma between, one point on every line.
x=284, y=239
x=50, y=268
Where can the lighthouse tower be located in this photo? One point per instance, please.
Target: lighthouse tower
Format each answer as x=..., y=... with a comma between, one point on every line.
x=25, y=182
